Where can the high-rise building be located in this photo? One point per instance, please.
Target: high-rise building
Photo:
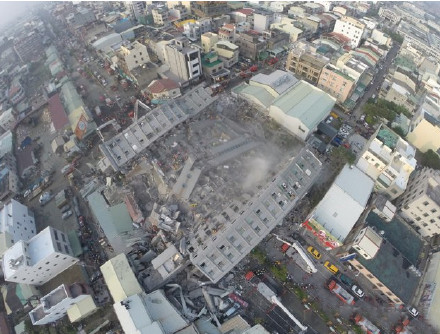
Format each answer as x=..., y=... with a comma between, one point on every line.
x=388, y=160
x=183, y=59
x=216, y=254
x=38, y=260
x=421, y=202
x=137, y=9
x=351, y=28
x=55, y=304
x=17, y=223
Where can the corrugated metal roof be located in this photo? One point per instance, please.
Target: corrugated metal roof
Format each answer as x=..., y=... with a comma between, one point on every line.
x=364, y=185
x=120, y=278
x=305, y=102
x=259, y=93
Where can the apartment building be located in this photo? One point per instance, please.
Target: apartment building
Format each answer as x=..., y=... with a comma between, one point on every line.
x=9, y=184
x=353, y=67
x=389, y=14
x=213, y=68
x=227, y=52
x=135, y=54
x=208, y=40
x=180, y=12
x=184, y=60
x=29, y=47
x=7, y=120
x=209, y=8
x=288, y=27
x=160, y=16
x=351, y=28
x=250, y=44
x=263, y=20
x=194, y=30
x=336, y=83
x=227, y=33
x=137, y=9
x=17, y=223
x=425, y=129
x=388, y=160
x=420, y=204
x=55, y=304
x=38, y=260
x=81, y=17
x=305, y=62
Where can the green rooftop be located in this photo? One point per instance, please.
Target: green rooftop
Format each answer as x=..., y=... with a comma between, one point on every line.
x=388, y=137
x=401, y=248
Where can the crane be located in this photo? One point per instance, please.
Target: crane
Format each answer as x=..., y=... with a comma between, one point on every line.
x=311, y=266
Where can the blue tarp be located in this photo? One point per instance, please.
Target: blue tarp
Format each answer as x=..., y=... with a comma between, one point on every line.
x=26, y=142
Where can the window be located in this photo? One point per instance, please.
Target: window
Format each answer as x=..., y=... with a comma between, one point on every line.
x=425, y=203
x=433, y=210
x=63, y=237
x=47, y=262
x=66, y=248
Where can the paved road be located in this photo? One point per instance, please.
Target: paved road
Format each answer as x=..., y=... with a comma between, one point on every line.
x=377, y=81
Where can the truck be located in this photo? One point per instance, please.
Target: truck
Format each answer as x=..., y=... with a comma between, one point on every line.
x=272, y=297
x=39, y=186
x=366, y=325
x=340, y=292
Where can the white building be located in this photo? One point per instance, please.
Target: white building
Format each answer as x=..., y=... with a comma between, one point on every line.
x=55, y=304
x=137, y=9
x=38, y=260
x=160, y=16
x=194, y=30
x=17, y=223
x=351, y=28
x=367, y=243
x=7, y=120
x=135, y=54
x=149, y=314
x=301, y=109
x=388, y=160
x=183, y=59
x=421, y=202
x=262, y=21
x=344, y=202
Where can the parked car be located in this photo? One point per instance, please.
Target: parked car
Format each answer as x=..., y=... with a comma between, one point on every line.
x=413, y=311
x=66, y=214
x=65, y=208
x=317, y=255
x=45, y=197
x=346, y=280
x=357, y=291
x=331, y=267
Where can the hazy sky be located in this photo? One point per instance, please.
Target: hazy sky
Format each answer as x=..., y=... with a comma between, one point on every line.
x=10, y=10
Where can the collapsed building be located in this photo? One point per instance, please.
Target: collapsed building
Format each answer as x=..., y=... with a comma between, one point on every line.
x=212, y=188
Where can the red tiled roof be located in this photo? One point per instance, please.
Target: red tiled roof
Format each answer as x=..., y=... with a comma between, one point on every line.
x=14, y=89
x=245, y=11
x=57, y=113
x=162, y=85
x=340, y=37
x=229, y=26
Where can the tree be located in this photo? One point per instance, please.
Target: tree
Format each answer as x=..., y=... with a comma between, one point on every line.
x=399, y=131
x=430, y=159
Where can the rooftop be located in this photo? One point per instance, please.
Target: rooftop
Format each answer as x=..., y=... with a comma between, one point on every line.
x=398, y=234
x=57, y=113
x=6, y=143
x=390, y=265
x=120, y=278
x=278, y=80
x=305, y=102
x=162, y=85
x=114, y=220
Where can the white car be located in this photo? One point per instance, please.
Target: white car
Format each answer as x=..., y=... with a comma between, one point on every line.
x=413, y=311
x=66, y=214
x=357, y=291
